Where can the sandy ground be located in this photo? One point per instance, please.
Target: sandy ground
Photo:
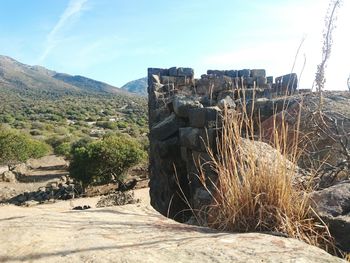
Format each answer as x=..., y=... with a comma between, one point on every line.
x=131, y=233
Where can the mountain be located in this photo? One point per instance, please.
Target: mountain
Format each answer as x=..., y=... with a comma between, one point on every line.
x=138, y=86
x=16, y=76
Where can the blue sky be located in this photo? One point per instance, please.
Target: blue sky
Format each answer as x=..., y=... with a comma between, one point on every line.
x=115, y=41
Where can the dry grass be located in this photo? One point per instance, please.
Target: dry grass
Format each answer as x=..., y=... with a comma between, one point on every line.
x=254, y=191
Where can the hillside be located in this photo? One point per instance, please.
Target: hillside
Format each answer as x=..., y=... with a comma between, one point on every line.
x=59, y=108
x=21, y=78
x=138, y=86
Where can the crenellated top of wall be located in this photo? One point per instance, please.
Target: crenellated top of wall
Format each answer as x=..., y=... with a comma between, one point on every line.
x=183, y=119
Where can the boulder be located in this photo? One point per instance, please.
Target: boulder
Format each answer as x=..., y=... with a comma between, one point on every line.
x=117, y=198
x=20, y=169
x=9, y=177
x=339, y=227
x=334, y=200
x=333, y=205
x=319, y=135
x=3, y=169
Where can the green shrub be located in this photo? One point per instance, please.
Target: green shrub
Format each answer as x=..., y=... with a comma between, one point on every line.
x=63, y=149
x=106, y=124
x=56, y=140
x=16, y=147
x=102, y=160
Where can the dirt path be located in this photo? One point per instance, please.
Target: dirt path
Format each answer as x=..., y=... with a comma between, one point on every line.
x=44, y=170
x=131, y=233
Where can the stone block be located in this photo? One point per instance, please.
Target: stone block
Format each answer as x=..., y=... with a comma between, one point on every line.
x=157, y=71
x=189, y=137
x=204, y=117
x=166, y=128
x=173, y=71
x=248, y=81
x=231, y=73
x=207, y=138
x=226, y=103
x=185, y=72
x=245, y=73
x=181, y=106
x=260, y=81
x=202, y=86
x=202, y=161
x=168, y=148
x=184, y=153
x=269, y=79
x=254, y=73
x=216, y=72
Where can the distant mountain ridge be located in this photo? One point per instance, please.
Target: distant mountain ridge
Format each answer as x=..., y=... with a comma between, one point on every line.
x=16, y=76
x=138, y=86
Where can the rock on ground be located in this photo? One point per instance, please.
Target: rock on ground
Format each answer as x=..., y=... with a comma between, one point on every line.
x=333, y=205
x=132, y=233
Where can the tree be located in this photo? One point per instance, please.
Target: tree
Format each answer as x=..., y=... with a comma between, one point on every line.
x=101, y=161
x=16, y=147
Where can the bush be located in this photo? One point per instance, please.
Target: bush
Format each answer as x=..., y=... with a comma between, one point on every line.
x=63, y=149
x=16, y=147
x=103, y=160
x=106, y=124
x=56, y=140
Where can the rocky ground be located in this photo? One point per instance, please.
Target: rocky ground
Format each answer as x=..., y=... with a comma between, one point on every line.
x=132, y=233
x=47, y=179
x=34, y=174
x=109, y=231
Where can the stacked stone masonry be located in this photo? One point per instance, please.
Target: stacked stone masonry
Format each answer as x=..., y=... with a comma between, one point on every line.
x=184, y=115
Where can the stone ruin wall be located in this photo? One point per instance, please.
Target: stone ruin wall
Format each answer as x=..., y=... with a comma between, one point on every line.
x=183, y=115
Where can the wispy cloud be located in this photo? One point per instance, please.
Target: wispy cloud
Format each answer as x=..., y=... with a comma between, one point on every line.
x=73, y=9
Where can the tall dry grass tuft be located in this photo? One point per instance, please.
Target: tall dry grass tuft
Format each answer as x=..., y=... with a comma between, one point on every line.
x=255, y=189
